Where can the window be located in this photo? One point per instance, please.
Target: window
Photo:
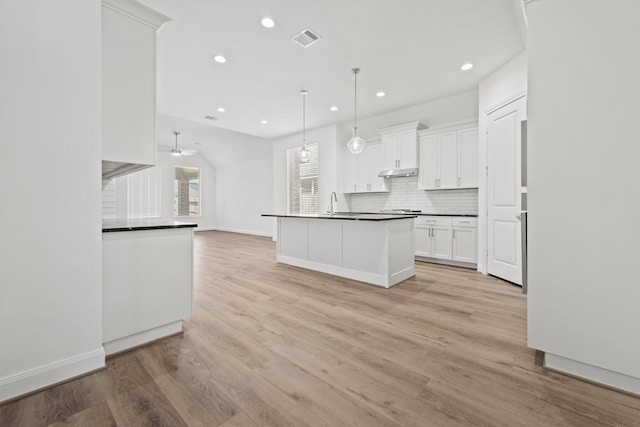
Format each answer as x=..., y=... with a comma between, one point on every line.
x=187, y=191
x=302, y=191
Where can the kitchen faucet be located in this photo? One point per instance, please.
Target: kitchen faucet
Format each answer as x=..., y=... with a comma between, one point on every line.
x=332, y=197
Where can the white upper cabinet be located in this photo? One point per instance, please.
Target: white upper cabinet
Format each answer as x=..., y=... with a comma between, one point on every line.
x=400, y=146
x=449, y=157
x=468, y=157
x=129, y=81
x=349, y=172
x=361, y=171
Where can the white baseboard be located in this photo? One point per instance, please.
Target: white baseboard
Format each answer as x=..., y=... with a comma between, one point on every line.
x=144, y=337
x=592, y=373
x=237, y=230
x=47, y=375
x=385, y=281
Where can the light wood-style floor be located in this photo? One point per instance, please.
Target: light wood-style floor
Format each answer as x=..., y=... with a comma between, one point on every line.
x=274, y=345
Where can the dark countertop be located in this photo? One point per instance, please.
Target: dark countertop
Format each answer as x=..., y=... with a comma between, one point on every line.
x=411, y=213
x=137, y=224
x=346, y=215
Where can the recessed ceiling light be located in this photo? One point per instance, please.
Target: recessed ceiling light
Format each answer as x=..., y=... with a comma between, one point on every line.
x=467, y=66
x=268, y=22
x=333, y=108
x=219, y=59
x=220, y=110
x=263, y=122
x=381, y=94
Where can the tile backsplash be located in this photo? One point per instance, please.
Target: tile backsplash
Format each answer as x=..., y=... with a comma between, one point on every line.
x=405, y=195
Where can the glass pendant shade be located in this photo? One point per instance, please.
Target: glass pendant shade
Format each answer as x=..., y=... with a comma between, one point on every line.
x=305, y=154
x=356, y=144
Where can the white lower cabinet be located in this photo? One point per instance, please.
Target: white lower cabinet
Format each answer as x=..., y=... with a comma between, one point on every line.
x=446, y=238
x=464, y=247
x=433, y=236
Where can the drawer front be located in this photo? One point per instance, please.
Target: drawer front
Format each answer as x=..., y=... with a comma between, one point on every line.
x=434, y=221
x=465, y=222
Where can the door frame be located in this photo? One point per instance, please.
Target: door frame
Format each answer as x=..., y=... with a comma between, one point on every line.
x=483, y=229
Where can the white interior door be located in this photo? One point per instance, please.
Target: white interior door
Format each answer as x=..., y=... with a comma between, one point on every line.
x=503, y=192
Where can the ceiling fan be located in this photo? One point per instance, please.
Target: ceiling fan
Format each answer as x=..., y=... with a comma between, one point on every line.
x=177, y=152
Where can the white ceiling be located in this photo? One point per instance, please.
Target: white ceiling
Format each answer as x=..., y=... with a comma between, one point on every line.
x=411, y=49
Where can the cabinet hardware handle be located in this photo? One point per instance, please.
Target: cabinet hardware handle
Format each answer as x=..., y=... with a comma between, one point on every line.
x=454, y=233
x=435, y=182
x=354, y=187
x=464, y=222
x=458, y=181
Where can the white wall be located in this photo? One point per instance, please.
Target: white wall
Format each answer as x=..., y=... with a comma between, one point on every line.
x=208, y=202
x=243, y=193
x=50, y=221
x=240, y=181
x=584, y=148
x=503, y=84
x=433, y=113
x=327, y=138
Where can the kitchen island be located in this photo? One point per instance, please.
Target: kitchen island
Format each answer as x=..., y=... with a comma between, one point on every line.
x=147, y=280
x=375, y=249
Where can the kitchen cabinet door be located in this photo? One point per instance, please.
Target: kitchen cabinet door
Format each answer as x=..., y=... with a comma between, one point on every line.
x=363, y=170
x=422, y=238
x=447, y=160
x=428, y=162
x=407, y=149
x=389, y=151
x=441, y=236
x=464, y=245
x=377, y=183
x=349, y=172
x=468, y=158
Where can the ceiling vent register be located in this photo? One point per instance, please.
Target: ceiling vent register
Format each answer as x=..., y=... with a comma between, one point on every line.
x=306, y=38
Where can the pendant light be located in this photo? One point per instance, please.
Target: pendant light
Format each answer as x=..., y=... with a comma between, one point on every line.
x=356, y=144
x=176, y=151
x=305, y=154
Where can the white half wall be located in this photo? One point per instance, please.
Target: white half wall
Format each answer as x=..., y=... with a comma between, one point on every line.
x=502, y=85
x=50, y=187
x=584, y=146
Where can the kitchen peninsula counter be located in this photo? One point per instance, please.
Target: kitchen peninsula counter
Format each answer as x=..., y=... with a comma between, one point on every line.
x=373, y=248
x=147, y=280
x=138, y=224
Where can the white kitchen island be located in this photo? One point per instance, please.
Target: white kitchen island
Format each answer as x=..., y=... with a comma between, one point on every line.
x=375, y=249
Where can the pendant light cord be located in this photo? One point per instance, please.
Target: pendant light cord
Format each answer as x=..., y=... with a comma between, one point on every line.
x=304, y=126
x=355, y=96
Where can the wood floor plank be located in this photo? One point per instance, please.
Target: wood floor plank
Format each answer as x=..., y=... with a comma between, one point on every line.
x=275, y=345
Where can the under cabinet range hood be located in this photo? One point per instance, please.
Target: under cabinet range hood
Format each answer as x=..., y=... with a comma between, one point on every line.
x=395, y=173
x=115, y=169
